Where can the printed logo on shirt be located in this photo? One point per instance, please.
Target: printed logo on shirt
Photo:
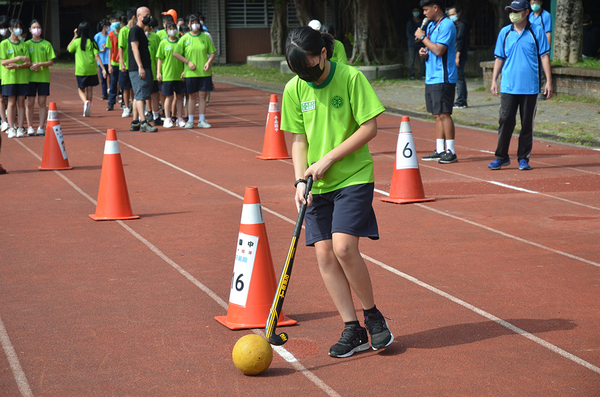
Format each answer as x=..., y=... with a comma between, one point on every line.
x=337, y=102
x=188, y=42
x=10, y=50
x=307, y=106
x=168, y=48
x=31, y=50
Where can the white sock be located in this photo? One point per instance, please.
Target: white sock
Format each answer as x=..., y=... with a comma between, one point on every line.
x=439, y=145
x=156, y=115
x=450, y=145
x=201, y=117
x=191, y=118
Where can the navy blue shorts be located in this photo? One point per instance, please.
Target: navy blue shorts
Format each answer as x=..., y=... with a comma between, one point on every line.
x=124, y=81
x=15, y=90
x=348, y=210
x=439, y=98
x=87, y=81
x=40, y=89
x=195, y=84
x=169, y=88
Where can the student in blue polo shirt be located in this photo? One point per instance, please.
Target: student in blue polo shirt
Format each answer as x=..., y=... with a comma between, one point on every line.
x=541, y=17
x=440, y=77
x=521, y=55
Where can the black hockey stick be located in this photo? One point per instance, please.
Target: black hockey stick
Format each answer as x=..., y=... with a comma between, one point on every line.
x=277, y=304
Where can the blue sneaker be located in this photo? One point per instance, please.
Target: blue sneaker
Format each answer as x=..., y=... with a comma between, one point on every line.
x=497, y=164
x=524, y=165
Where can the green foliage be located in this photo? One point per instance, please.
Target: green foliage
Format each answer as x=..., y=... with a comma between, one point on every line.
x=586, y=63
x=350, y=38
x=571, y=98
x=269, y=75
x=480, y=89
x=121, y=5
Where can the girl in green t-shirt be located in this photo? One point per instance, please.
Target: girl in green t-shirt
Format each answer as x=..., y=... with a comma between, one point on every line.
x=4, y=33
x=331, y=111
x=169, y=72
x=86, y=58
x=15, y=80
x=42, y=56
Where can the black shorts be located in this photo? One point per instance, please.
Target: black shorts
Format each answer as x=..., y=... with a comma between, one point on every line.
x=195, y=84
x=124, y=81
x=169, y=88
x=87, y=81
x=41, y=89
x=439, y=98
x=347, y=210
x=15, y=90
x=155, y=87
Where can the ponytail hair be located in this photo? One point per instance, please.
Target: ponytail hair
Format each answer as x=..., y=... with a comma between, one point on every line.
x=303, y=42
x=84, y=31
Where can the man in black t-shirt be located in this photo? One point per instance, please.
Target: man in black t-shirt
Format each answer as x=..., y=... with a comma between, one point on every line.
x=140, y=70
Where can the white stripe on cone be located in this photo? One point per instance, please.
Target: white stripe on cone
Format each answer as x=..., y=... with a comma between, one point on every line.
x=111, y=147
x=52, y=115
x=252, y=214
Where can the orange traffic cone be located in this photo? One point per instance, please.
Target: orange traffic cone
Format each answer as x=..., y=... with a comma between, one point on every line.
x=407, y=186
x=274, y=145
x=55, y=152
x=254, y=284
x=113, y=198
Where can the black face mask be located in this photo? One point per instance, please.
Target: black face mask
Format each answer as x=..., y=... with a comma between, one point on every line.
x=311, y=74
x=146, y=20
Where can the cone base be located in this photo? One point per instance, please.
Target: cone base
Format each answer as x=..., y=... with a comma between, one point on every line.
x=283, y=321
x=54, y=168
x=112, y=218
x=406, y=200
x=273, y=158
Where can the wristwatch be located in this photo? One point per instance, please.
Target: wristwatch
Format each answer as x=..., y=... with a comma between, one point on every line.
x=422, y=37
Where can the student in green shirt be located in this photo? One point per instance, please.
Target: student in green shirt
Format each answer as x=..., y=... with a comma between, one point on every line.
x=4, y=33
x=153, y=42
x=42, y=56
x=169, y=72
x=197, y=51
x=339, y=52
x=124, y=81
x=86, y=58
x=331, y=111
x=15, y=80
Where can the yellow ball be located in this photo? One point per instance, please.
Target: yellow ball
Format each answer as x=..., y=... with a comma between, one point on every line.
x=252, y=354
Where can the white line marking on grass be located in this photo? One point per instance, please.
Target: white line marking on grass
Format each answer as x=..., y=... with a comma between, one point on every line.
x=13, y=361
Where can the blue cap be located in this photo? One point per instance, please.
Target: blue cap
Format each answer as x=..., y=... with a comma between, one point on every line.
x=518, y=5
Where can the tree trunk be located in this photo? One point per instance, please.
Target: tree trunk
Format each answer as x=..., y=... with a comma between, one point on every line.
x=303, y=11
x=279, y=27
x=361, y=32
x=569, y=30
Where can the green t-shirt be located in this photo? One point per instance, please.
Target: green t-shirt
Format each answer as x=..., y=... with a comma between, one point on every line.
x=196, y=49
x=40, y=51
x=329, y=114
x=85, y=61
x=153, y=42
x=9, y=50
x=162, y=34
x=339, y=53
x=124, y=43
x=171, y=68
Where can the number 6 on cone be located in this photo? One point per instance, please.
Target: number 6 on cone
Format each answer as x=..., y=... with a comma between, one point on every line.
x=286, y=272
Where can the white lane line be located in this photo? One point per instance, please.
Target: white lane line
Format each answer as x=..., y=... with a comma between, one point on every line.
x=284, y=353
x=522, y=240
x=513, y=328
x=13, y=361
x=489, y=316
x=512, y=187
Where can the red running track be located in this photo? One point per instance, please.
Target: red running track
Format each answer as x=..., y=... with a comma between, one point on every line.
x=492, y=289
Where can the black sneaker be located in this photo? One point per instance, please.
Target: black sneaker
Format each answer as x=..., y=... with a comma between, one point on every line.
x=105, y=97
x=354, y=339
x=110, y=106
x=378, y=329
x=448, y=157
x=134, y=127
x=157, y=122
x=435, y=156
